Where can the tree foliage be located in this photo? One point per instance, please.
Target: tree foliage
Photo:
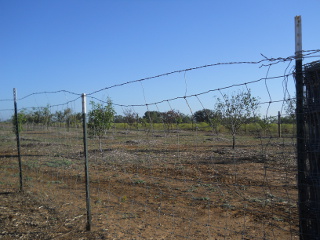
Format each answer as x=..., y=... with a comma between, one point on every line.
x=265, y=123
x=152, y=117
x=22, y=119
x=236, y=109
x=42, y=115
x=204, y=115
x=66, y=117
x=100, y=118
x=171, y=117
x=130, y=117
x=208, y=116
x=185, y=118
x=290, y=108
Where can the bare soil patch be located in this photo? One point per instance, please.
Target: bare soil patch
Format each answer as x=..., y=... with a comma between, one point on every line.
x=181, y=185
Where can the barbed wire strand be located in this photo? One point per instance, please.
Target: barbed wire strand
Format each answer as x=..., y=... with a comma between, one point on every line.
x=184, y=97
x=285, y=76
x=54, y=92
x=272, y=60
x=307, y=53
x=193, y=95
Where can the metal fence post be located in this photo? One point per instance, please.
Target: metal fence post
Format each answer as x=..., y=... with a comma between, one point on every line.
x=84, y=113
x=17, y=130
x=279, y=124
x=301, y=148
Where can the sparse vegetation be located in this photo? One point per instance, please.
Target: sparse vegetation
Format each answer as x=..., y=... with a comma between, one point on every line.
x=235, y=110
x=100, y=119
x=59, y=163
x=181, y=171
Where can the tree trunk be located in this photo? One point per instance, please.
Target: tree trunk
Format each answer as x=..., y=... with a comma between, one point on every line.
x=100, y=145
x=233, y=140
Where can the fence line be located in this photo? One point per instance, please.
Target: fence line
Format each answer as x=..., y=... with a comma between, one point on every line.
x=273, y=61
x=164, y=178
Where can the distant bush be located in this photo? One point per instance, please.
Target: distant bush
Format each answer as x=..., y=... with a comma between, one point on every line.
x=288, y=128
x=251, y=128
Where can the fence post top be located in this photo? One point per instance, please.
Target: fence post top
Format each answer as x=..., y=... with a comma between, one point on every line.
x=84, y=103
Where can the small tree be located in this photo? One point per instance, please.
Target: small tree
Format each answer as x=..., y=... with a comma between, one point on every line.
x=208, y=116
x=63, y=117
x=265, y=124
x=22, y=119
x=290, y=108
x=130, y=117
x=203, y=115
x=186, y=118
x=100, y=119
x=235, y=110
x=152, y=116
x=58, y=117
x=170, y=118
x=42, y=115
x=119, y=119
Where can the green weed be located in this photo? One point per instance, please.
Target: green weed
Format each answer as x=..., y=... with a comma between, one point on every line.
x=202, y=198
x=59, y=163
x=139, y=181
x=55, y=182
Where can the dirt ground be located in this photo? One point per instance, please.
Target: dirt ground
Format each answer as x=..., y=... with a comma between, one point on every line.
x=176, y=185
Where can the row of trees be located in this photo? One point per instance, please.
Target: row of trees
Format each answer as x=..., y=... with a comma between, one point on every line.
x=43, y=116
x=231, y=111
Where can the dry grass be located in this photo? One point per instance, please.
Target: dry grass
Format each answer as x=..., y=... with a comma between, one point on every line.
x=152, y=185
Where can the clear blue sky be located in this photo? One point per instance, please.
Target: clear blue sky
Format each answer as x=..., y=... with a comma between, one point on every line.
x=83, y=46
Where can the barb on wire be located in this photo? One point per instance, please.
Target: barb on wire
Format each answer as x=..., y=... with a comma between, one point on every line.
x=274, y=61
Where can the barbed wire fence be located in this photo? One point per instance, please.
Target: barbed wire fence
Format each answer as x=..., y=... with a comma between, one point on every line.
x=166, y=178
